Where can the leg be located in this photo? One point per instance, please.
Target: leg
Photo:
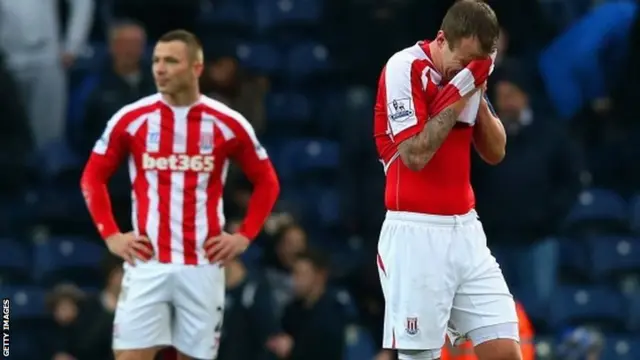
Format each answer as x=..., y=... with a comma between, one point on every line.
x=418, y=285
x=47, y=103
x=143, y=354
x=483, y=309
x=142, y=318
x=199, y=307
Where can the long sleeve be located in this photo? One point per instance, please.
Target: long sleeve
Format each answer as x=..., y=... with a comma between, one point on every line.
x=107, y=154
x=80, y=20
x=252, y=159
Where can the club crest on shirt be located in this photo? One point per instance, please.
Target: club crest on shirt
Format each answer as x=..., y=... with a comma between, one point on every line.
x=400, y=109
x=206, y=141
x=153, y=138
x=412, y=326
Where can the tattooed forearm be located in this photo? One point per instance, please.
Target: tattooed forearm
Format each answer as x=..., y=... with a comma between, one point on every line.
x=416, y=152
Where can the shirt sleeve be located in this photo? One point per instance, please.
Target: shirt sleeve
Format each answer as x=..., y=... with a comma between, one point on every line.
x=105, y=158
x=252, y=158
x=406, y=100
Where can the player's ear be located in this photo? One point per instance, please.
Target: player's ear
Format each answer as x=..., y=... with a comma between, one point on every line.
x=441, y=39
x=198, y=68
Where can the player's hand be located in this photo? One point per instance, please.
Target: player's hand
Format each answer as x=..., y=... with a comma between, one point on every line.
x=130, y=247
x=280, y=345
x=225, y=247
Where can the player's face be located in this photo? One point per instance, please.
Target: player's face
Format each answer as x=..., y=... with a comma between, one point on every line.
x=174, y=70
x=304, y=278
x=456, y=57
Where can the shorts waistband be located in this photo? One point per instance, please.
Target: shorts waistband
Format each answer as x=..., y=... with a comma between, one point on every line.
x=444, y=220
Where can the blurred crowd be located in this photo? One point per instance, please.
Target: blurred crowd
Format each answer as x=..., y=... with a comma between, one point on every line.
x=562, y=212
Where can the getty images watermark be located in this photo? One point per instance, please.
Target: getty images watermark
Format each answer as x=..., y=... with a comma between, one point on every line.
x=6, y=314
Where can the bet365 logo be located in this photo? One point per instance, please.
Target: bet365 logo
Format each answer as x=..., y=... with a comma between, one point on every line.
x=178, y=162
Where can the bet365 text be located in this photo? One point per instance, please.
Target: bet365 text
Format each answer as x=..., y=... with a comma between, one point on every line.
x=6, y=317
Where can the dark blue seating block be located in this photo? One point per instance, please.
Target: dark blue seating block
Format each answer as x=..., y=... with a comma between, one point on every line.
x=15, y=262
x=70, y=259
x=611, y=255
x=598, y=207
x=589, y=304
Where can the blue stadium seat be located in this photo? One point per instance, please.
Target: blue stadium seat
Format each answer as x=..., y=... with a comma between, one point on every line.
x=359, y=344
x=620, y=347
x=590, y=304
x=259, y=57
x=307, y=60
x=27, y=302
x=69, y=259
x=574, y=256
x=611, y=255
x=287, y=14
x=57, y=159
x=634, y=311
x=308, y=155
x=229, y=15
x=288, y=107
x=15, y=262
x=635, y=214
x=598, y=206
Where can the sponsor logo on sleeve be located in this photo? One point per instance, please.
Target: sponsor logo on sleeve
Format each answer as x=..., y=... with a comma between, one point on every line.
x=400, y=109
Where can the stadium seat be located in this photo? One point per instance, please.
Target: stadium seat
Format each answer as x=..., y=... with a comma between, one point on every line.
x=307, y=60
x=589, y=304
x=288, y=108
x=634, y=311
x=27, y=302
x=15, y=262
x=635, y=214
x=226, y=15
x=613, y=255
x=287, y=14
x=69, y=259
x=359, y=344
x=298, y=157
x=57, y=160
x=574, y=257
x=598, y=210
x=620, y=347
x=259, y=57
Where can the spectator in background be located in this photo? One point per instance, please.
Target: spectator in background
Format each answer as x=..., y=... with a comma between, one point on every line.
x=122, y=81
x=64, y=341
x=225, y=81
x=316, y=319
x=525, y=198
x=98, y=312
x=290, y=241
x=29, y=36
x=15, y=137
x=249, y=320
x=581, y=343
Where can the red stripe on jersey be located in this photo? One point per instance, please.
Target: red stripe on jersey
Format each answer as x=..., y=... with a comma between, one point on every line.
x=167, y=132
x=194, y=119
x=141, y=185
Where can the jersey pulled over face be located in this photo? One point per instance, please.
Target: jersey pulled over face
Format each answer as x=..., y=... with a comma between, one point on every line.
x=407, y=88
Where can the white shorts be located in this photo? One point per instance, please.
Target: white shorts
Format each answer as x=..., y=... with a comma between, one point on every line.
x=438, y=277
x=171, y=304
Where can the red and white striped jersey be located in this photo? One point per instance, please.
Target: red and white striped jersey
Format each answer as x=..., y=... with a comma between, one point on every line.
x=407, y=88
x=178, y=158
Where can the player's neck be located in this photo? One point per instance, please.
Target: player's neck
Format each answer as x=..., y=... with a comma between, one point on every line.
x=180, y=99
x=436, y=57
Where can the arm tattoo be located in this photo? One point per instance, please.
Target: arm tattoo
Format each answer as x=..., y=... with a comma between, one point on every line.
x=416, y=152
